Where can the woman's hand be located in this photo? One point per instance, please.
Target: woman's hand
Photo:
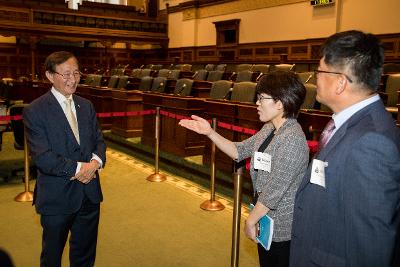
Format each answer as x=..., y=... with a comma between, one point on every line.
x=250, y=230
x=197, y=124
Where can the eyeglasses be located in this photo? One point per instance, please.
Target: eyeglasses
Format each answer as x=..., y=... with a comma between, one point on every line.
x=261, y=97
x=67, y=76
x=316, y=72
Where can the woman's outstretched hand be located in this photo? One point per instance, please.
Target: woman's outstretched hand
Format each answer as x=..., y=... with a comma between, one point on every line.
x=197, y=124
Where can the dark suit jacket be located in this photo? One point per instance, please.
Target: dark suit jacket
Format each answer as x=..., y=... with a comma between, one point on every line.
x=56, y=153
x=354, y=220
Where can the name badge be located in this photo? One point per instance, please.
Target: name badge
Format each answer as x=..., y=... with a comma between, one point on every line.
x=262, y=161
x=318, y=172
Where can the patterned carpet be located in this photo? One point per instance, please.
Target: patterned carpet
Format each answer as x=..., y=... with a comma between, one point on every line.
x=141, y=223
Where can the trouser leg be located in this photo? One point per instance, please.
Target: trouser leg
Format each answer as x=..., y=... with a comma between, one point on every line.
x=83, y=238
x=55, y=233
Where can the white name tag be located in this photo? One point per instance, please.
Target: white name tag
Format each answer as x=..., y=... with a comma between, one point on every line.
x=262, y=161
x=318, y=172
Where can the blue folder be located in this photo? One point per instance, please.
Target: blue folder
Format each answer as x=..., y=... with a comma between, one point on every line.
x=265, y=230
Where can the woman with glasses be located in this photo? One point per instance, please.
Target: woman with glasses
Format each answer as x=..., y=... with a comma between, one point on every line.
x=279, y=158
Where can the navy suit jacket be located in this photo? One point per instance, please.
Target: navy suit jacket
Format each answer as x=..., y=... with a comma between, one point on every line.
x=56, y=153
x=354, y=220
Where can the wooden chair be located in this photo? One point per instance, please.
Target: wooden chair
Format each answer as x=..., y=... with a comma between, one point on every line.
x=209, y=67
x=183, y=87
x=215, y=75
x=244, y=92
x=221, y=89
x=244, y=76
x=123, y=82
x=221, y=67
x=145, y=83
x=311, y=93
x=262, y=68
x=284, y=67
x=243, y=67
x=200, y=75
x=159, y=84
x=113, y=81
x=163, y=73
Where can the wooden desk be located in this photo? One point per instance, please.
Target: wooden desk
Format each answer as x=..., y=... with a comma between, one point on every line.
x=201, y=89
x=102, y=101
x=225, y=112
x=122, y=101
x=173, y=138
x=84, y=91
x=247, y=117
x=313, y=122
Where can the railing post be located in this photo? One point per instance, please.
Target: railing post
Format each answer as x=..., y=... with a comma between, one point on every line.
x=156, y=176
x=212, y=204
x=237, y=203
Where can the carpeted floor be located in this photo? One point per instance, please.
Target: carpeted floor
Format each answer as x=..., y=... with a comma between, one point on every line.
x=141, y=224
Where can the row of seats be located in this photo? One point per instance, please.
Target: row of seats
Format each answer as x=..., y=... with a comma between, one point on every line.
x=222, y=89
x=158, y=84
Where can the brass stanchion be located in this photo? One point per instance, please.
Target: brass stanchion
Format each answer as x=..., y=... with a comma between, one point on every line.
x=27, y=195
x=212, y=204
x=156, y=176
x=237, y=176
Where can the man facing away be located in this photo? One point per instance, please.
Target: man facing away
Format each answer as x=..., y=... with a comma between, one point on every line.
x=347, y=207
x=67, y=147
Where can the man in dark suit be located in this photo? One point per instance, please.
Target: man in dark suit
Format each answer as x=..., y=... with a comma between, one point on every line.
x=347, y=208
x=67, y=147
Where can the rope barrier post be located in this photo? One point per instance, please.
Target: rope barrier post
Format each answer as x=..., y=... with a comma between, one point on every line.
x=27, y=195
x=212, y=204
x=156, y=176
x=238, y=181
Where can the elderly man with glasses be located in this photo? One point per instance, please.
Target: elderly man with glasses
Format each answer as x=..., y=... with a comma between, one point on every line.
x=67, y=147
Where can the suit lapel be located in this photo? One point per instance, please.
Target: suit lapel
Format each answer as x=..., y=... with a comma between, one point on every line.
x=339, y=135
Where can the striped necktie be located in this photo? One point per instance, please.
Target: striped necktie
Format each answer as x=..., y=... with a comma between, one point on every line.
x=71, y=119
x=326, y=134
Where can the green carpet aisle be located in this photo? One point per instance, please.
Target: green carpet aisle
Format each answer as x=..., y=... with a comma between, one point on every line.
x=141, y=224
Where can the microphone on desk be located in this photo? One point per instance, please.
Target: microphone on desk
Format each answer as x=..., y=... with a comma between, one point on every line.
x=309, y=78
x=141, y=67
x=259, y=76
x=181, y=90
x=233, y=75
x=194, y=75
x=227, y=93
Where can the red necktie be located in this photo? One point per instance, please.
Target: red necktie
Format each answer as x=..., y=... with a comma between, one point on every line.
x=326, y=134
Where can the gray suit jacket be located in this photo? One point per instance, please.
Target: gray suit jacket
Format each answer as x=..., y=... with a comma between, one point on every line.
x=56, y=153
x=355, y=219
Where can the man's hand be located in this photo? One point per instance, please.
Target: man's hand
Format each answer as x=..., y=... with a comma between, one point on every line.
x=87, y=172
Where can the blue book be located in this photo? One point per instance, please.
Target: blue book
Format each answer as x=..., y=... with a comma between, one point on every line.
x=265, y=230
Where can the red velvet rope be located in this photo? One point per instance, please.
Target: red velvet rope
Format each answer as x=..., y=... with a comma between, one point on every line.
x=313, y=145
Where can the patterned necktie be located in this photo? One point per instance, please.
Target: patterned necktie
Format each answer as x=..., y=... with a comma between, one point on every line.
x=326, y=134
x=71, y=118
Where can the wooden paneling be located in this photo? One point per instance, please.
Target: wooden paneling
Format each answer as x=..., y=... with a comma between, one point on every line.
x=127, y=126
x=296, y=51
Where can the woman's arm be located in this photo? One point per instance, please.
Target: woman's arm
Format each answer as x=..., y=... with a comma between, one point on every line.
x=201, y=126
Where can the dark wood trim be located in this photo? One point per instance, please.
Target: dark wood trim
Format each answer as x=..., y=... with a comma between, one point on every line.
x=291, y=51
